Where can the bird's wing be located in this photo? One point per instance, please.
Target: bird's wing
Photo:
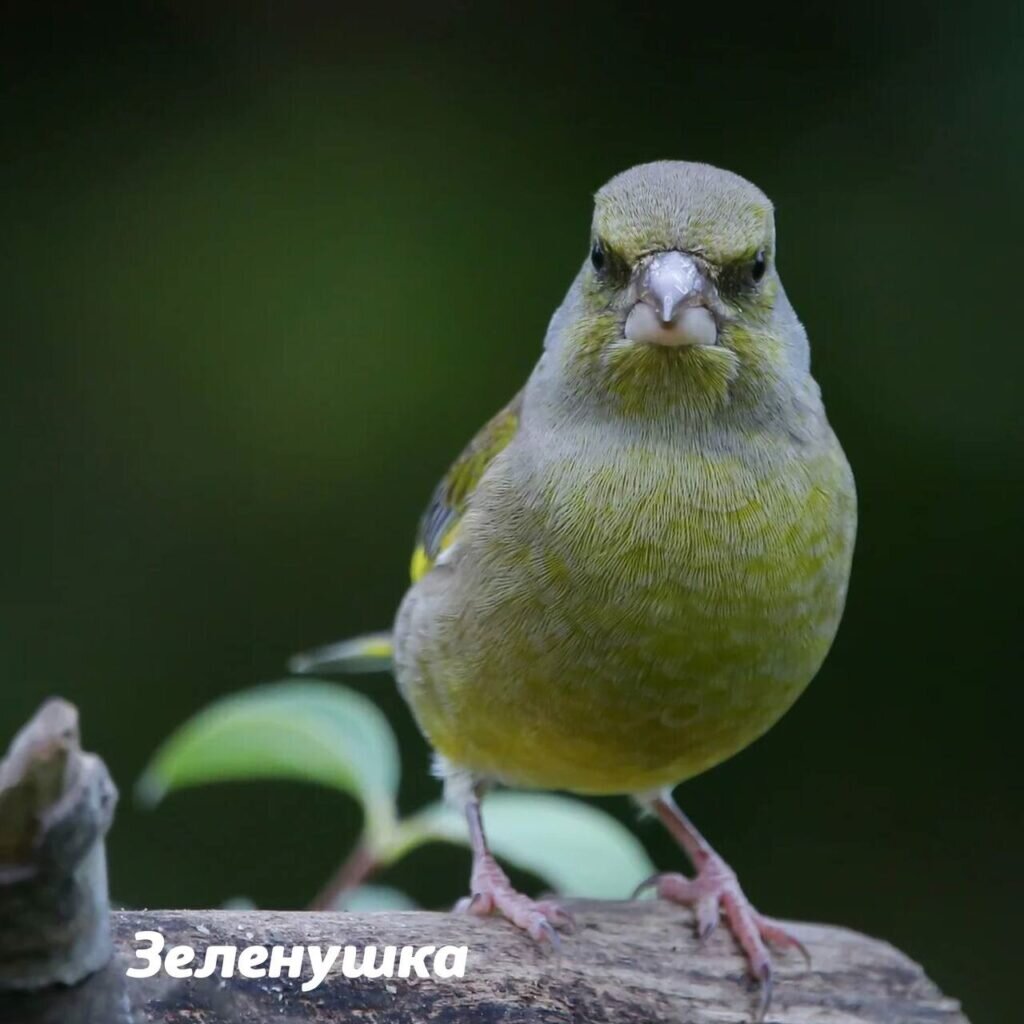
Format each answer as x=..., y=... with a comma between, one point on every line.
x=438, y=527
x=440, y=523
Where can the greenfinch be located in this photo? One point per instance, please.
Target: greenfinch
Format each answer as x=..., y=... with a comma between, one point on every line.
x=637, y=566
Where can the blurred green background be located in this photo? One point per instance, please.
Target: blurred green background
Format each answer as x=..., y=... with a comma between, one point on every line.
x=267, y=267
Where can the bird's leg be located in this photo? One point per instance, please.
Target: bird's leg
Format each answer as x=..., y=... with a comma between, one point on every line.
x=714, y=890
x=492, y=892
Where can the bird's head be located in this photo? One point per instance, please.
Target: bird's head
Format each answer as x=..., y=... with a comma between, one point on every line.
x=679, y=301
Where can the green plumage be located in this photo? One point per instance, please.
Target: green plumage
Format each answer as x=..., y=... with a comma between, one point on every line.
x=440, y=521
x=653, y=543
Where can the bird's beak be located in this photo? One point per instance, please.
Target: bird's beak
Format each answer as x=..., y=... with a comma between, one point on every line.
x=671, y=296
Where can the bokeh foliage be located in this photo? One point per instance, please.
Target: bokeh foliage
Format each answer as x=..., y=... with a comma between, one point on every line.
x=266, y=268
x=322, y=732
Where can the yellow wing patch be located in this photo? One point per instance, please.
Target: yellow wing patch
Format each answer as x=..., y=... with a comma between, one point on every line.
x=420, y=563
x=443, y=516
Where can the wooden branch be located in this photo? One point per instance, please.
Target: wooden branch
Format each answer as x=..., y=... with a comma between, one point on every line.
x=630, y=963
x=56, y=804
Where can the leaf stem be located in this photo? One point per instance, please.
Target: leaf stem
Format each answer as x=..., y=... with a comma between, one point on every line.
x=354, y=870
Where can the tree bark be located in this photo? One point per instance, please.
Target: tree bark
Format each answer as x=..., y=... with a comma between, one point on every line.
x=628, y=963
x=56, y=804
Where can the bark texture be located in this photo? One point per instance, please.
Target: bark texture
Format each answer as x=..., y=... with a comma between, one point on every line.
x=56, y=804
x=630, y=963
x=627, y=963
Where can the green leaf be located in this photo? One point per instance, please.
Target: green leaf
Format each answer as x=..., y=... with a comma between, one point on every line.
x=374, y=898
x=239, y=903
x=313, y=731
x=573, y=846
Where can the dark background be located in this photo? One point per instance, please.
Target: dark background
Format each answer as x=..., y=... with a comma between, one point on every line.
x=265, y=268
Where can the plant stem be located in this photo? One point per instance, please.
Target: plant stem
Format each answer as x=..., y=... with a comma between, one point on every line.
x=354, y=870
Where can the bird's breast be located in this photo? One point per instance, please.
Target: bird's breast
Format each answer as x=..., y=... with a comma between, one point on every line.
x=652, y=611
x=676, y=536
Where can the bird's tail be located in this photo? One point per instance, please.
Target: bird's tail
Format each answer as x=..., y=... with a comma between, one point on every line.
x=369, y=653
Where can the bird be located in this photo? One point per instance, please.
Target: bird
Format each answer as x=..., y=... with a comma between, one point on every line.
x=635, y=567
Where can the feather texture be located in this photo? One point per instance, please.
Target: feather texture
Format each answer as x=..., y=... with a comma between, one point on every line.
x=440, y=522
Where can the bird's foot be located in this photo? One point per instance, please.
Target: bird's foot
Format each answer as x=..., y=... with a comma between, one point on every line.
x=716, y=890
x=492, y=892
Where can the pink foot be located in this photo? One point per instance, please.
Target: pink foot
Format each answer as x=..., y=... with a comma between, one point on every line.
x=492, y=892
x=715, y=889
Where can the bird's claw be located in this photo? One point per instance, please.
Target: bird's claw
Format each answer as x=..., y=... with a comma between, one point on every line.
x=493, y=893
x=714, y=891
x=775, y=934
x=648, y=883
x=549, y=935
x=764, y=985
x=708, y=916
x=564, y=920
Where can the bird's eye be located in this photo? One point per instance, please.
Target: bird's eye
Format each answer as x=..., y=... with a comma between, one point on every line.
x=758, y=266
x=598, y=257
